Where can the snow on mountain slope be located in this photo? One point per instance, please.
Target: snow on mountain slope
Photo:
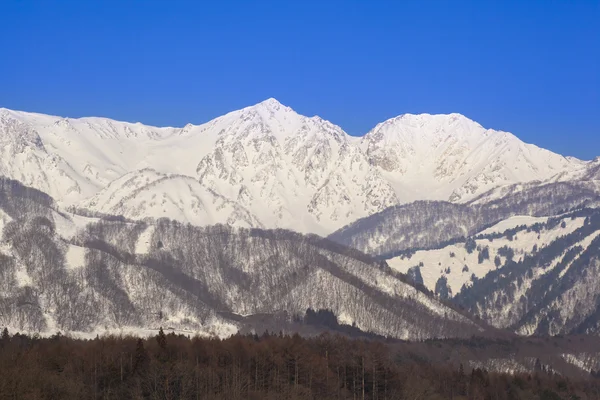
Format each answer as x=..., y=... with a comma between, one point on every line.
x=450, y=157
x=529, y=275
x=587, y=172
x=550, y=290
x=4, y=219
x=459, y=267
x=500, y=193
x=292, y=171
x=148, y=193
x=100, y=150
x=26, y=157
x=270, y=165
x=512, y=223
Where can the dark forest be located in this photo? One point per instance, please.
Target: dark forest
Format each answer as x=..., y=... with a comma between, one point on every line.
x=269, y=366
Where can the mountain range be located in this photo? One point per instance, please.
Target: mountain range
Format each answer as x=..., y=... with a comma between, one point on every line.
x=427, y=226
x=267, y=166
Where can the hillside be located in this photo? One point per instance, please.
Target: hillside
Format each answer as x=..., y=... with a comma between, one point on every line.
x=87, y=274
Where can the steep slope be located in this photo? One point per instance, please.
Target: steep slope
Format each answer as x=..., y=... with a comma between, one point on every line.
x=283, y=169
x=292, y=171
x=25, y=156
x=588, y=172
x=60, y=271
x=94, y=151
x=286, y=169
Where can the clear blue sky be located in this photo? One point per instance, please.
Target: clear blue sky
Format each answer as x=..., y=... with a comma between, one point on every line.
x=529, y=67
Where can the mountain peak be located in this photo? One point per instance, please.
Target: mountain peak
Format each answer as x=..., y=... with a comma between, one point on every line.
x=271, y=104
x=267, y=108
x=433, y=117
x=271, y=101
x=430, y=124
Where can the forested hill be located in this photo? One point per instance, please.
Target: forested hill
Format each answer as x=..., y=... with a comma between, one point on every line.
x=432, y=224
x=89, y=273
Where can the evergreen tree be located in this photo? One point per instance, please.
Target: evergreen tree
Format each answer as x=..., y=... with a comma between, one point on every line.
x=484, y=254
x=497, y=261
x=414, y=274
x=442, y=289
x=470, y=245
x=462, y=381
x=161, y=338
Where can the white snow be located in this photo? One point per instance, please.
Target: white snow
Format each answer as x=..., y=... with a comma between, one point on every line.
x=4, y=219
x=501, y=365
x=75, y=257
x=513, y=222
x=435, y=262
x=583, y=361
x=68, y=225
x=264, y=165
x=23, y=278
x=143, y=244
x=213, y=328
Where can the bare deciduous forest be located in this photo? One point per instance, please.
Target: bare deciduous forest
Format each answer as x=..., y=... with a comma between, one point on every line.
x=270, y=366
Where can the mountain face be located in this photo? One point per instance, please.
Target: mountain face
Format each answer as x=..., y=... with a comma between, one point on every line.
x=267, y=166
x=61, y=271
x=449, y=157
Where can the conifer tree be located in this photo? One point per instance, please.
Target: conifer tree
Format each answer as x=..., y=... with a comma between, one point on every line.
x=161, y=338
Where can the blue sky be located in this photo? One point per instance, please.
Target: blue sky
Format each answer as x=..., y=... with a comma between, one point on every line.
x=529, y=67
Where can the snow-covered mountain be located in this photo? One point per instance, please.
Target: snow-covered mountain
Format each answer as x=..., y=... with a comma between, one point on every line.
x=266, y=165
x=450, y=157
x=147, y=192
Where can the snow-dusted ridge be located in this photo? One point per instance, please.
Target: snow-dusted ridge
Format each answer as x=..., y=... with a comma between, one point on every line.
x=265, y=165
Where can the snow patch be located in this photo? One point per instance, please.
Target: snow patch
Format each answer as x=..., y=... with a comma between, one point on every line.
x=144, y=241
x=75, y=257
